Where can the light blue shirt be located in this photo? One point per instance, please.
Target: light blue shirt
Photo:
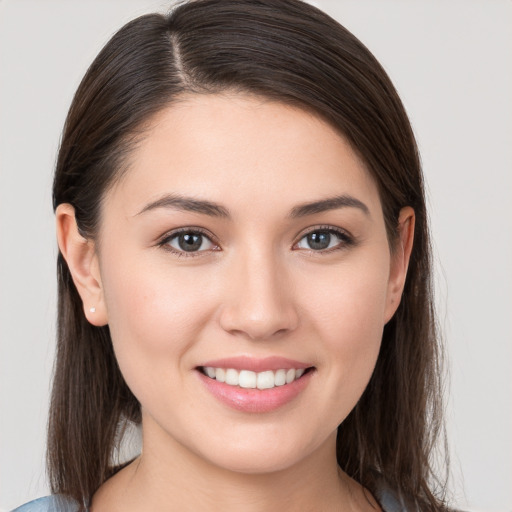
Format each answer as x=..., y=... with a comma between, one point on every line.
x=49, y=504
x=387, y=499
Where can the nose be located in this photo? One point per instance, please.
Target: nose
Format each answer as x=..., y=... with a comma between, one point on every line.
x=259, y=301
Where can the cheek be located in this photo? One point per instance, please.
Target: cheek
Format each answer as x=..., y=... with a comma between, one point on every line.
x=350, y=300
x=154, y=317
x=349, y=319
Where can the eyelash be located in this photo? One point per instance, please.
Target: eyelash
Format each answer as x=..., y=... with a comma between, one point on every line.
x=346, y=240
x=164, y=242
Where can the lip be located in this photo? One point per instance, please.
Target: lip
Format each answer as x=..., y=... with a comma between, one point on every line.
x=255, y=400
x=273, y=363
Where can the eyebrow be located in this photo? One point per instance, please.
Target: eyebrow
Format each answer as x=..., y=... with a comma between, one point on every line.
x=204, y=207
x=188, y=204
x=330, y=203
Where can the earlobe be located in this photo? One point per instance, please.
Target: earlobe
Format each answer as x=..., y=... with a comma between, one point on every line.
x=82, y=260
x=400, y=261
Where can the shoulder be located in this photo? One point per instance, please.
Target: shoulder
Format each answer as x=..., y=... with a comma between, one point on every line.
x=49, y=504
x=392, y=501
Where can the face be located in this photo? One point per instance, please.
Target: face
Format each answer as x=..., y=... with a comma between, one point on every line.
x=245, y=242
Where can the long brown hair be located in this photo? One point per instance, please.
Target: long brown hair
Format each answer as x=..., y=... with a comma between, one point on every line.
x=291, y=52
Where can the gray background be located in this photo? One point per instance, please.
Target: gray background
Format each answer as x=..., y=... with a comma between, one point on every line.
x=452, y=64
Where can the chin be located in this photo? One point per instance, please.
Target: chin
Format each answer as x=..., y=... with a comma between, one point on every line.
x=261, y=464
x=265, y=455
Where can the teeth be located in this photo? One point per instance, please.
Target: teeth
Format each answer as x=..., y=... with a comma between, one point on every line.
x=265, y=380
x=220, y=374
x=252, y=380
x=280, y=378
x=247, y=379
x=231, y=377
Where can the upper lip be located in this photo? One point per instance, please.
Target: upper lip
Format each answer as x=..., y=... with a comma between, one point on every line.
x=256, y=364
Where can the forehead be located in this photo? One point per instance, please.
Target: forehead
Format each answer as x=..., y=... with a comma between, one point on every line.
x=242, y=150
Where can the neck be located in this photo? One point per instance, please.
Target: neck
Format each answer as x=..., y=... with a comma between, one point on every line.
x=169, y=477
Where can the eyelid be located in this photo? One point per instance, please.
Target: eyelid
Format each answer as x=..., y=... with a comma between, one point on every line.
x=348, y=239
x=163, y=241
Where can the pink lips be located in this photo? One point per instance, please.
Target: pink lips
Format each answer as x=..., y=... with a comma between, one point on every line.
x=255, y=400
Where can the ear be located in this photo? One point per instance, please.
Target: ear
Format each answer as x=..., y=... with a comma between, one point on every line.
x=400, y=256
x=81, y=257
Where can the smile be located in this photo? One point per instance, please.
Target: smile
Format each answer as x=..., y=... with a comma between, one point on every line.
x=255, y=385
x=248, y=379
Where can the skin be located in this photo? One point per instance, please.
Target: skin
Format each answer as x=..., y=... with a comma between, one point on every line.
x=257, y=289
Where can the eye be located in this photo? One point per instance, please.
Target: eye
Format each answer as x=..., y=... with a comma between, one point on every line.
x=324, y=239
x=188, y=241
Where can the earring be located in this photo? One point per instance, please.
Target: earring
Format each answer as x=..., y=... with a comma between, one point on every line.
x=92, y=310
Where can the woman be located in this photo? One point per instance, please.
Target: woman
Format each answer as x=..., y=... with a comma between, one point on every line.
x=244, y=270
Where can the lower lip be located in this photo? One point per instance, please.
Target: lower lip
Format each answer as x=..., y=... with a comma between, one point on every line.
x=255, y=400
